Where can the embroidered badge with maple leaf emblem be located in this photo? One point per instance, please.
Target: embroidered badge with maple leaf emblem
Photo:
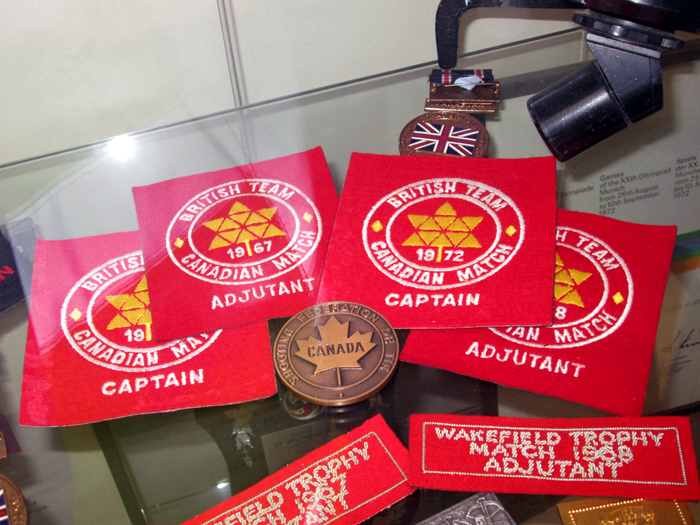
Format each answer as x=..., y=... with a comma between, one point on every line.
x=336, y=353
x=609, y=281
x=234, y=246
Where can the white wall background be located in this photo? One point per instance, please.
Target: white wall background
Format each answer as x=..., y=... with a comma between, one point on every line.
x=77, y=71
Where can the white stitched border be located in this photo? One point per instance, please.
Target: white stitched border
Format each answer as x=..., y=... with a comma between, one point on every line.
x=259, y=495
x=577, y=429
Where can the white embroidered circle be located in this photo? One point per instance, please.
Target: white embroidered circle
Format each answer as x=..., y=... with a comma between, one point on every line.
x=105, y=318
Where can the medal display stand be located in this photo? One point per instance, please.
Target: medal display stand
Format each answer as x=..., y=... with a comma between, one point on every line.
x=166, y=468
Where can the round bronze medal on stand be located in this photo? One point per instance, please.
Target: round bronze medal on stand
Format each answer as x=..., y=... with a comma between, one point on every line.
x=336, y=353
x=444, y=133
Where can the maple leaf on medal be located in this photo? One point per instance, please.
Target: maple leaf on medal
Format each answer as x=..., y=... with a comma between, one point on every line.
x=335, y=350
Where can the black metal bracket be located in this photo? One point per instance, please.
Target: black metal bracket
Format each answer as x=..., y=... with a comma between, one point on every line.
x=665, y=15
x=450, y=12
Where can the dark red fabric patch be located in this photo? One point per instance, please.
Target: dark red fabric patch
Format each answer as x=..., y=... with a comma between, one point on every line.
x=238, y=245
x=437, y=242
x=609, y=284
x=345, y=481
x=621, y=457
x=91, y=354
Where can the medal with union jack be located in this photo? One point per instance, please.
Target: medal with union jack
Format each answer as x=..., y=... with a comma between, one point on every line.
x=444, y=134
x=13, y=509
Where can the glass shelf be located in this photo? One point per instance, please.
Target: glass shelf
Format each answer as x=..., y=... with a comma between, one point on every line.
x=165, y=468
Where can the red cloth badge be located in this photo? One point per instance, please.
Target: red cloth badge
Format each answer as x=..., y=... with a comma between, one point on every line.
x=345, y=481
x=610, y=279
x=238, y=245
x=445, y=242
x=630, y=457
x=91, y=354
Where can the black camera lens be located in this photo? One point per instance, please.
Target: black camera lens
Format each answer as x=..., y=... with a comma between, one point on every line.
x=576, y=113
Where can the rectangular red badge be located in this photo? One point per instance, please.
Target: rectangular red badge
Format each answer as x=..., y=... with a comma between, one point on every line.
x=345, y=481
x=609, y=283
x=440, y=242
x=621, y=457
x=238, y=245
x=91, y=354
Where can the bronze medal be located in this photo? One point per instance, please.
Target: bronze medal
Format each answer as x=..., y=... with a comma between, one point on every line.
x=12, y=503
x=336, y=353
x=13, y=509
x=445, y=134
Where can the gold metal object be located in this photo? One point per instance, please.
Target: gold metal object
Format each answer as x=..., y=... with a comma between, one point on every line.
x=610, y=511
x=482, y=98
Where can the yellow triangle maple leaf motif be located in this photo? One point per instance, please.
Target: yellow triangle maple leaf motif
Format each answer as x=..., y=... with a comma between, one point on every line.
x=238, y=207
x=446, y=209
x=228, y=224
x=132, y=303
x=117, y=300
x=273, y=231
x=441, y=240
x=335, y=350
x=134, y=315
x=430, y=225
x=218, y=242
x=239, y=218
x=560, y=291
x=133, y=309
x=444, y=221
x=268, y=213
x=242, y=225
x=417, y=220
x=472, y=222
x=231, y=236
x=257, y=230
x=456, y=237
x=414, y=240
x=255, y=218
x=469, y=242
x=441, y=226
x=246, y=236
x=118, y=322
x=572, y=298
x=579, y=276
x=142, y=286
x=568, y=279
x=563, y=276
x=458, y=225
x=428, y=237
x=214, y=224
x=143, y=297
